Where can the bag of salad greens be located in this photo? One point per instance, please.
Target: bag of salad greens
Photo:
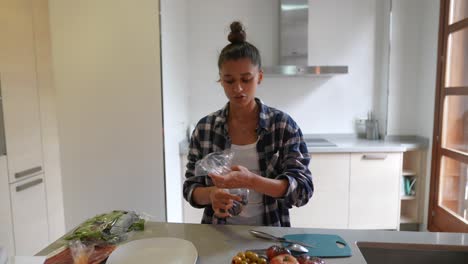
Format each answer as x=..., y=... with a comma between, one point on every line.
x=109, y=228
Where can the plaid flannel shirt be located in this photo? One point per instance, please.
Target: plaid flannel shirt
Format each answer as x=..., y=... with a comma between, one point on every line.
x=282, y=155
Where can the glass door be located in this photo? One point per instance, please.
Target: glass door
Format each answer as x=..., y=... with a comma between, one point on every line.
x=449, y=180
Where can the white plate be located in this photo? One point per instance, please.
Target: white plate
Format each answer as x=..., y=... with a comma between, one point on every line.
x=167, y=250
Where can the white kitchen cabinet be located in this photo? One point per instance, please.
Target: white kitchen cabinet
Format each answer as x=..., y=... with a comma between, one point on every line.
x=19, y=89
x=23, y=182
x=29, y=213
x=6, y=227
x=328, y=207
x=374, y=190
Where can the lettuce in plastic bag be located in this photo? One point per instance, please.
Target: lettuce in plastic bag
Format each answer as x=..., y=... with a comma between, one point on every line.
x=111, y=227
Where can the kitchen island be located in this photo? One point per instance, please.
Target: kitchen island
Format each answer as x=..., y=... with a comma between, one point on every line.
x=217, y=244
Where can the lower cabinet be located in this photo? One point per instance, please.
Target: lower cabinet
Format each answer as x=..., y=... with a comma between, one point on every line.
x=352, y=190
x=374, y=190
x=329, y=205
x=29, y=214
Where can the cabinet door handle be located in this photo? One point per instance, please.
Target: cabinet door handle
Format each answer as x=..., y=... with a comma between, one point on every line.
x=27, y=185
x=374, y=156
x=27, y=172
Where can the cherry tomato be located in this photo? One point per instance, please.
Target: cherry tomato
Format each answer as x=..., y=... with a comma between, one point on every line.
x=275, y=250
x=284, y=259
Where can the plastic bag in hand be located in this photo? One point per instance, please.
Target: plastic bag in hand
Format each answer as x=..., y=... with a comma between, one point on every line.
x=214, y=163
x=219, y=163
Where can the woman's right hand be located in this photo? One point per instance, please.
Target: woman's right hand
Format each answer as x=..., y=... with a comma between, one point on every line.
x=222, y=201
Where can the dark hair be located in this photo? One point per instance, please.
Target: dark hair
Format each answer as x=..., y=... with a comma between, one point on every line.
x=239, y=48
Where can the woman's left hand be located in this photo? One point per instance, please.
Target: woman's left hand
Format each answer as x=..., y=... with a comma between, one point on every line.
x=239, y=177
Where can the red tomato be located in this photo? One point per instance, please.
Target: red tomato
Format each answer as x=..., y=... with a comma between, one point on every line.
x=284, y=259
x=275, y=250
x=305, y=259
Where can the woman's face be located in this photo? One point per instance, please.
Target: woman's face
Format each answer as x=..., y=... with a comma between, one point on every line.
x=239, y=79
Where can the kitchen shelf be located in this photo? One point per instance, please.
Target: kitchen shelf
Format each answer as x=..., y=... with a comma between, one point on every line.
x=409, y=173
x=414, y=164
x=408, y=220
x=408, y=197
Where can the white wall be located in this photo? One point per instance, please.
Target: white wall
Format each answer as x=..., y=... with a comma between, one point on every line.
x=404, y=67
x=319, y=105
x=106, y=64
x=413, y=67
x=427, y=87
x=353, y=33
x=174, y=35
x=208, y=29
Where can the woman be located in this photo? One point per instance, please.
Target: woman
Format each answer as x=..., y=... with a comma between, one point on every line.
x=270, y=155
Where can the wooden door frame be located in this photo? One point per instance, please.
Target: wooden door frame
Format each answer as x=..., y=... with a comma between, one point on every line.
x=452, y=224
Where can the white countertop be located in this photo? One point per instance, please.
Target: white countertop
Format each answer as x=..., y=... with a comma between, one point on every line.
x=351, y=143
x=219, y=243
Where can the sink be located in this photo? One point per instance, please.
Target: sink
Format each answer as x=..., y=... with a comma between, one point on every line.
x=402, y=253
x=318, y=142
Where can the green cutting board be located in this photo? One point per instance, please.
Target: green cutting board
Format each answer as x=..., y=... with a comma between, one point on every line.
x=326, y=246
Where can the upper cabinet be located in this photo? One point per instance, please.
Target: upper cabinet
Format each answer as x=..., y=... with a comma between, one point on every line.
x=22, y=178
x=19, y=90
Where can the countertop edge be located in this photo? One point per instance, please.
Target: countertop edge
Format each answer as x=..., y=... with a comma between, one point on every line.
x=350, y=143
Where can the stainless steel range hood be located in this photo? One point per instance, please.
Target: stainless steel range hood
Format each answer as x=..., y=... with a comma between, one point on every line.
x=293, y=44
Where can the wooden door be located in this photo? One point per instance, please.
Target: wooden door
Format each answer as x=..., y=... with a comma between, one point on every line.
x=449, y=177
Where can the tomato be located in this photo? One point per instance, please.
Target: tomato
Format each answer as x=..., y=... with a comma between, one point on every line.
x=275, y=250
x=305, y=259
x=316, y=260
x=284, y=259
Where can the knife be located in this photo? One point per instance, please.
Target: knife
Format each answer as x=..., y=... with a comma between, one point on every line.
x=264, y=235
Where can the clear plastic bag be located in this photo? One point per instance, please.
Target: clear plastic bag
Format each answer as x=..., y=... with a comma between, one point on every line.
x=214, y=163
x=219, y=163
x=80, y=252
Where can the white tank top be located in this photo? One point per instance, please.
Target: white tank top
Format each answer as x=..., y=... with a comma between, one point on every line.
x=252, y=214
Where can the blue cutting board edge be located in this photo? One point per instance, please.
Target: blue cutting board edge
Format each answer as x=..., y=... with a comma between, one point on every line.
x=325, y=245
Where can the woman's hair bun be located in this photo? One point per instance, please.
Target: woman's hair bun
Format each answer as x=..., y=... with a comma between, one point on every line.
x=237, y=34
